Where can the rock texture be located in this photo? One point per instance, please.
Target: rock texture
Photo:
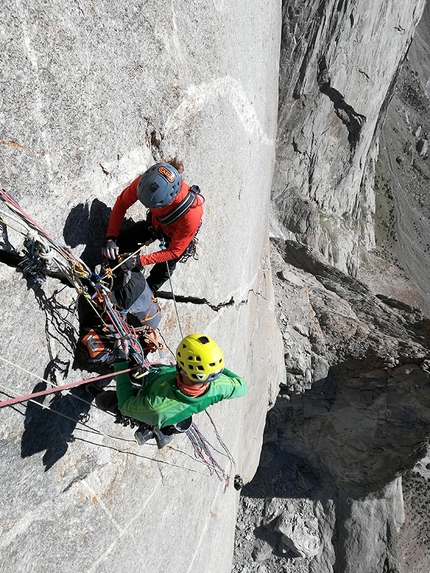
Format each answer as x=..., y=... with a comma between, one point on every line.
x=338, y=60
x=92, y=94
x=403, y=167
x=352, y=417
x=353, y=414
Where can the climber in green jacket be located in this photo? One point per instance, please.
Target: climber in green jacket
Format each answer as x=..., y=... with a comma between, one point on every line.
x=172, y=394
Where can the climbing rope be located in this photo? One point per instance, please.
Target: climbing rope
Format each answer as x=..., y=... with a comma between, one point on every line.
x=39, y=243
x=175, y=304
x=44, y=252
x=83, y=422
x=203, y=451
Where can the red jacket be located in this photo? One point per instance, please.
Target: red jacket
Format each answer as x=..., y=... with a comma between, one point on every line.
x=180, y=233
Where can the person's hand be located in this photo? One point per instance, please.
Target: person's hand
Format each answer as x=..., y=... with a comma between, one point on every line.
x=132, y=263
x=120, y=349
x=110, y=250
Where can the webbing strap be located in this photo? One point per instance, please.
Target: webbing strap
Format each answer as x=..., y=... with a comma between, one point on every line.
x=180, y=209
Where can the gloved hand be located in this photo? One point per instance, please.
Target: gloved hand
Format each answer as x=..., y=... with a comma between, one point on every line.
x=110, y=250
x=132, y=263
x=120, y=349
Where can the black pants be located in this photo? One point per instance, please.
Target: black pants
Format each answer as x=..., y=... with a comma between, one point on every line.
x=129, y=241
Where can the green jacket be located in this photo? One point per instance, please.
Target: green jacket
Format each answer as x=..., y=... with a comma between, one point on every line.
x=160, y=403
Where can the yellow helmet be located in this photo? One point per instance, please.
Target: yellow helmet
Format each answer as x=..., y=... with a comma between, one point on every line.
x=200, y=357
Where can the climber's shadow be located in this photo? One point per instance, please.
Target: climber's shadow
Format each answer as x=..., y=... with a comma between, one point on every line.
x=51, y=429
x=58, y=318
x=86, y=225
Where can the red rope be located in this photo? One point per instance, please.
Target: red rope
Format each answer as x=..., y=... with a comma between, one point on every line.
x=18, y=399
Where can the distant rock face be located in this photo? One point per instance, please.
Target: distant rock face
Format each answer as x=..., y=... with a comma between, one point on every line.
x=353, y=416
x=366, y=418
x=334, y=80
x=404, y=168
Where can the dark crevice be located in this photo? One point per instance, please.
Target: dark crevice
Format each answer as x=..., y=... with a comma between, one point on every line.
x=352, y=120
x=198, y=300
x=105, y=171
x=194, y=300
x=10, y=258
x=154, y=139
x=364, y=74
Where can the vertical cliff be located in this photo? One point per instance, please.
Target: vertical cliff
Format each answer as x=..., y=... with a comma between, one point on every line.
x=92, y=94
x=353, y=416
x=338, y=60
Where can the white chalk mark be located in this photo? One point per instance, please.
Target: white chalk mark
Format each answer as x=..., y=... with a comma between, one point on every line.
x=203, y=95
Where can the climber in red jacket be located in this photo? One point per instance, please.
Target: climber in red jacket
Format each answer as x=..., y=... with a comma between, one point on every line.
x=174, y=217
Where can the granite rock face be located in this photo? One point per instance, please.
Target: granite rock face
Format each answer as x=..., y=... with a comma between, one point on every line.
x=92, y=94
x=338, y=61
x=351, y=419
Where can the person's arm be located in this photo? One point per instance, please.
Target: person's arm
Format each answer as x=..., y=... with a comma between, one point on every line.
x=182, y=232
x=239, y=386
x=137, y=407
x=127, y=198
x=124, y=390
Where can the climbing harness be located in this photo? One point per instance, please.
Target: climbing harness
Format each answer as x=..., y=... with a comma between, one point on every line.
x=191, y=250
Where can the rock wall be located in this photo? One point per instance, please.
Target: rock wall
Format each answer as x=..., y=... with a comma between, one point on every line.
x=92, y=94
x=352, y=418
x=338, y=61
x=403, y=170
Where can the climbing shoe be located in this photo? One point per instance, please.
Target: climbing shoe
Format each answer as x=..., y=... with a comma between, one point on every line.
x=161, y=439
x=143, y=434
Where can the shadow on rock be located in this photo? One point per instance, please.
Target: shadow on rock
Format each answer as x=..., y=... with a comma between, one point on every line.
x=282, y=474
x=58, y=316
x=51, y=428
x=87, y=226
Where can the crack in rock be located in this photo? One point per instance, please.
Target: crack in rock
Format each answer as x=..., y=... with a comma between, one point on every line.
x=194, y=300
x=198, y=300
x=105, y=171
x=352, y=120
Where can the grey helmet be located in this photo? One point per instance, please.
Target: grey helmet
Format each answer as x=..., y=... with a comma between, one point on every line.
x=158, y=186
